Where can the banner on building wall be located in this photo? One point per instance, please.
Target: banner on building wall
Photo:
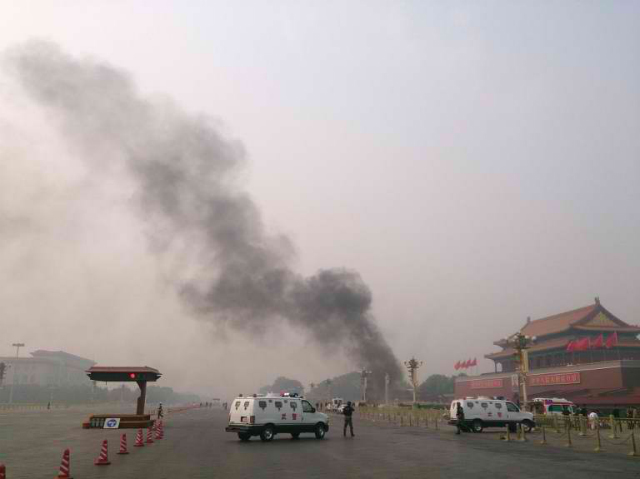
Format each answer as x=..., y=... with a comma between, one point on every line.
x=487, y=384
x=553, y=379
x=515, y=383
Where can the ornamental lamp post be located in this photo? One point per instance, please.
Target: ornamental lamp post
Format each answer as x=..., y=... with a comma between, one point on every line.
x=364, y=374
x=521, y=343
x=387, y=380
x=413, y=365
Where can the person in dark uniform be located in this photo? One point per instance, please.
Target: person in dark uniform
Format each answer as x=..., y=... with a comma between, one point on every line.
x=460, y=418
x=160, y=411
x=348, y=419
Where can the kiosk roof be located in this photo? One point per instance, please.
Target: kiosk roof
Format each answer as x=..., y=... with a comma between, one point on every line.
x=123, y=373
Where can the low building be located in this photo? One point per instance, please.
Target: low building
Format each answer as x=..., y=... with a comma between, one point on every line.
x=603, y=371
x=47, y=368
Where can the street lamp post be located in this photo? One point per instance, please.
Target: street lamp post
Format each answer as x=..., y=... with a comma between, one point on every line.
x=386, y=388
x=363, y=377
x=413, y=365
x=521, y=343
x=13, y=378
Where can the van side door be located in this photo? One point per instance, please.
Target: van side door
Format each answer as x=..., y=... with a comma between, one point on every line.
x=513, y=412
x=307, y=412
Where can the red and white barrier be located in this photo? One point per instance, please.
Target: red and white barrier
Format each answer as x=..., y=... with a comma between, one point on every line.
x=65, y=466
x=123, y=445
x=149, y=435
x=139, y=439
x=103, y=458
x=159, y=431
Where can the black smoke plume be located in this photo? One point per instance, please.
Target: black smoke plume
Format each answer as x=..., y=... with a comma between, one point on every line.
x=185, y=171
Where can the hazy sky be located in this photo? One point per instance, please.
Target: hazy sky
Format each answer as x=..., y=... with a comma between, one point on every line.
x=476, y=162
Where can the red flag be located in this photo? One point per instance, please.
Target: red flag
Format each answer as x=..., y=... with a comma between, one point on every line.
x=475, y=362
x=582, y=344
x=612, y=341
x=469, y=363
x=571, y=347
x=598, y=343
x=457, y=366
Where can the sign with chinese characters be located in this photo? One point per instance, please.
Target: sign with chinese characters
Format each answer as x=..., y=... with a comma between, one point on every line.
x=553, y=379
x=486, y=384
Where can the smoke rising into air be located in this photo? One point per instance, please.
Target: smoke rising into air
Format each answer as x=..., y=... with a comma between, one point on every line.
x=184, y=169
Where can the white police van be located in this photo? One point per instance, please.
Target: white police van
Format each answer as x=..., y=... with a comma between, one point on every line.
x=550, y=406
x=266, y=416
x=481, y=412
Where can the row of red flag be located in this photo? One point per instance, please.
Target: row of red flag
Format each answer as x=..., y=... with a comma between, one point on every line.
x=587, y=343
x=466, y=364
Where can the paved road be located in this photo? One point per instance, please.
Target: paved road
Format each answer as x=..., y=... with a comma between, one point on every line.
x=196, y=446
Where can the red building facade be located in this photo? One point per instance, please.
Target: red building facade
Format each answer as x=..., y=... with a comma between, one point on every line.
x=604, y=372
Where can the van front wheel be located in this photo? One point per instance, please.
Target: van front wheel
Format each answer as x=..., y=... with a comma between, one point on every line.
x=320, y=431
x=477, y=425
x=527, y=426
x=267, y=434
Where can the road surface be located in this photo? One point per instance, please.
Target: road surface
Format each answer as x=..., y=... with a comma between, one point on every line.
x=196, y=446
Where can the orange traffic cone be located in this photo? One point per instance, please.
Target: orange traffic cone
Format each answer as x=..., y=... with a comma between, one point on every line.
x=123, y=445
x=103, y=458
x=150, y=435
x=65, y=466
x=139, y=439
x=3, y=471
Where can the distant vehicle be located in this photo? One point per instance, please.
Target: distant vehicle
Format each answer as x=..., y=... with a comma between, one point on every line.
x=266, y=416
x=550, y=406
x=480, y=413
x=335, y=404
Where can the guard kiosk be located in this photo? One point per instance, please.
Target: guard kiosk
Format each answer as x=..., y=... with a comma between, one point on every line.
x=139, y=375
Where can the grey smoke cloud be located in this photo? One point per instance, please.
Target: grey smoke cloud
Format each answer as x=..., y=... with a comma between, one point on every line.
x=185, y=174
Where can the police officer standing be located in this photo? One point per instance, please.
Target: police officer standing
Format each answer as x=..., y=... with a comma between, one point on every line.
x=160, y=412
x=348, y=419
x=460, y=418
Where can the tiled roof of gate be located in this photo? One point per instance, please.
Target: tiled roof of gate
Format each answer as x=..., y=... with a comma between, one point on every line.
x=558, y=322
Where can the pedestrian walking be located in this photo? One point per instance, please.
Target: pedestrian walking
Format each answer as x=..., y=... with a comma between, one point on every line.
x=160, y=411
x=593, y=419
x=348, y=419
x=460, y=418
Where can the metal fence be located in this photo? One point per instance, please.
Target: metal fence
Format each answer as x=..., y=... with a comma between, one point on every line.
x=604, y=434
